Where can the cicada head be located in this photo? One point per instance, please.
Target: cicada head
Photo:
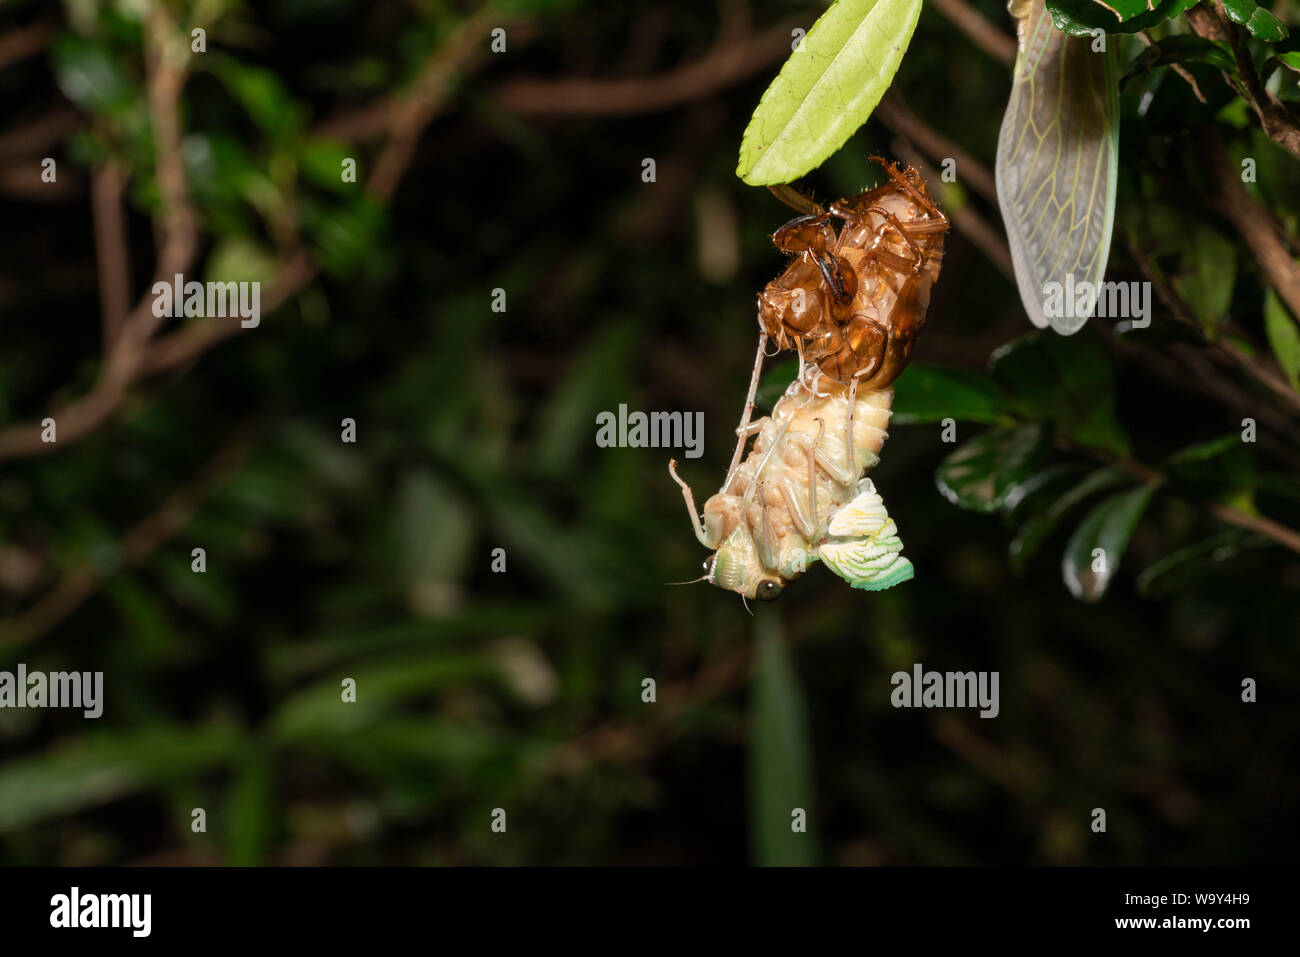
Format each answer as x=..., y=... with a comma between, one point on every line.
x=736, y=567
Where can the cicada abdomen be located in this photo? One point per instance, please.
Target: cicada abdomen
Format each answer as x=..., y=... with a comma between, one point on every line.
x=800, y=496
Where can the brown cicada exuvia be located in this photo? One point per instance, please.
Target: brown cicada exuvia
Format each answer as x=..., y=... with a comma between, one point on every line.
x=853, y=302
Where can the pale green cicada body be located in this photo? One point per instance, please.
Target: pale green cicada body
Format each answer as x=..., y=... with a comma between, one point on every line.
x=800, y=496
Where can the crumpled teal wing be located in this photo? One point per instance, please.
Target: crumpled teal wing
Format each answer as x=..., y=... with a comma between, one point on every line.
x=864, y=548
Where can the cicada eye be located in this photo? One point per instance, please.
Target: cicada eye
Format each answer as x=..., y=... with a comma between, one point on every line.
x=708, y=565
x=768, y=589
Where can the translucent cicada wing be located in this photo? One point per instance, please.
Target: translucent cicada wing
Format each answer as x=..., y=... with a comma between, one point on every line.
x=1056, y=167
x=867, y=553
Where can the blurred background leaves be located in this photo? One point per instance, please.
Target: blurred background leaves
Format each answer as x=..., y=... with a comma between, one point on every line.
x=522, y=689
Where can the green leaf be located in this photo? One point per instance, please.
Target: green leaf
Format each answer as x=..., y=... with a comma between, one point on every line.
x=592, y=382
x=262, y=94
x=345, y=236
x=826, y=89
x=984, y=472
x=780, y=753
x=1181, y=48
x=774, y=384
x=1036, y=529
x=1056, y=167
x=89, y=76
x=249, y=810
x=1080, y=17
x=104, y=766
x=1222, y=469
x=929, y=393
x=321, y=162
x=1066, y=381
x=321, y=711
x=1210, y=262
x=432, y=533
x=241, y=259
x=1283, y=337
x=1194, y=563
x=1288, y=86
x=1108, y=527
x=1256, y=19
x=1205, y=451
x=1266, y=26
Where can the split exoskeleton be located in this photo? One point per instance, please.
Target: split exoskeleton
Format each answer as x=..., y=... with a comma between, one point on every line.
x=851, y=304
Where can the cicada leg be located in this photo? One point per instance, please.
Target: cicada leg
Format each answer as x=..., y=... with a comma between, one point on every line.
x=765, y=543
x=806, y=520
x=847, y=210
x=690, y=506
x=910, y=189
x=812, y=384
x=907, y=232
x=742, y=432
x=848, y=438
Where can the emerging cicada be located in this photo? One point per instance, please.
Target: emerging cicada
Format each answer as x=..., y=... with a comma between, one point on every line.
x=851, y=303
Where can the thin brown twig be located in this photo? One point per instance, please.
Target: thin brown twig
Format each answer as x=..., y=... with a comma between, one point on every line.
x=177, y=243
x=981, y=32
x=982, y=754
x=894, y=113
x=1261, y=233
x=1178, y=68
x=410, y=112
x=1284, y=536
x=20, y=43
x=34, y=138
x=112, y=255
x=725, y=64
x=136, y=352
x=187, y=344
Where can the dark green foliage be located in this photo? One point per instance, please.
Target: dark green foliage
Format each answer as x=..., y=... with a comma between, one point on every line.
x=523, y=690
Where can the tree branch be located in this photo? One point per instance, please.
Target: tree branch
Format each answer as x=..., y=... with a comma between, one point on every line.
x=1279, y=123
x=727, y=63
x=981, y=32
x=112, y=254
x=136, y=352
